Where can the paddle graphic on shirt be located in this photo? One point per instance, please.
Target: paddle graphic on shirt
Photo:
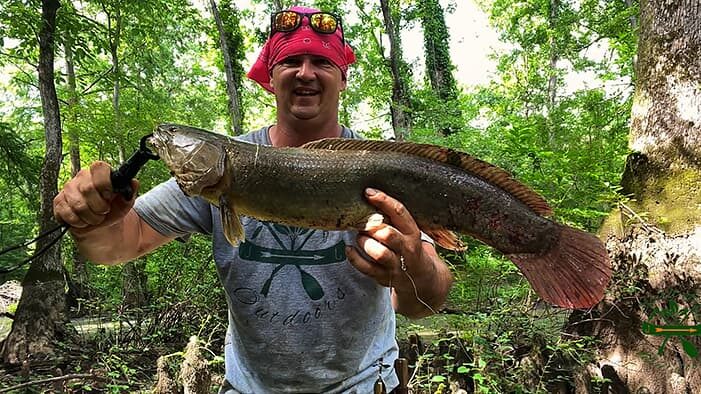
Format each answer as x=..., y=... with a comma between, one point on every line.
x=291, y=254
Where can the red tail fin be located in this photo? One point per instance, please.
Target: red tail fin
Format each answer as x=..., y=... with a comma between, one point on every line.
x=573, y=274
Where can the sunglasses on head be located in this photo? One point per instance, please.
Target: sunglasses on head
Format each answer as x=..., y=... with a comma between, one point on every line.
x=320, y=22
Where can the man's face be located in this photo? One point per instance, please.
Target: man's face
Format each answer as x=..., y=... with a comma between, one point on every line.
x=307, y=87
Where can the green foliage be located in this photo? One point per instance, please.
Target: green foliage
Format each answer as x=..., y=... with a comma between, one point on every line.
x=484, y=279
x=20, y=166
x=368, y=84
x=234, y=36
x=439, y=67
x=515, y=348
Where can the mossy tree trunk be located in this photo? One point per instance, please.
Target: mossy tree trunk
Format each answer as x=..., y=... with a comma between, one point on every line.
x=439, y=66
x=656, y=247
x=664, y=172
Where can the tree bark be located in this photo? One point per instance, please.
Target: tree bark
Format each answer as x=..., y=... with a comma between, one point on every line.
x=663, y=174
x=633, y=19
x=400, y=105
x=656, y=277
x=77, y=285
x=231, y=88
x=655, y=282
x=41, y=309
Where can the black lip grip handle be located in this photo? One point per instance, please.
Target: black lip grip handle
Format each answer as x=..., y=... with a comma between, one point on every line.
x=121, y=178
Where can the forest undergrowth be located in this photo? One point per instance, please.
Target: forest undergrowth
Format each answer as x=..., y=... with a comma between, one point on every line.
x=493, y=336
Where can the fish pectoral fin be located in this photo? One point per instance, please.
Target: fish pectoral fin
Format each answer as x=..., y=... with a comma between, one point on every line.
x=233, y=231
x=446, y=239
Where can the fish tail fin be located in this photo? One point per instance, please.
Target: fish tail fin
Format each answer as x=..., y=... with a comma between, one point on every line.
x=572, y=274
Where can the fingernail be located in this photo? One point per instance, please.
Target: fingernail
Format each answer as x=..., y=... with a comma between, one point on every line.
x=370, y=191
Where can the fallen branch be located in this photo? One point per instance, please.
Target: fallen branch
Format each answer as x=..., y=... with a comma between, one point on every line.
x=54, y=379
x=632, y=214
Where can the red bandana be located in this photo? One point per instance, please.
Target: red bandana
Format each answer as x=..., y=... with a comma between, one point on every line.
x=302, y=41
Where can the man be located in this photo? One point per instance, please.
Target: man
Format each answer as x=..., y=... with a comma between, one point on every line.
x=309, y=310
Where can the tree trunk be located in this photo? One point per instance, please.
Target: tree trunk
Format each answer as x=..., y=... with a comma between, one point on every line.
x=41, y=309
x=439, y=66
x=656, y=281
x=663, y=174
x=634, y=27
x=77, y=285
x=232, y=90
x=400, y=105
x=656, y=278
x=133, y=278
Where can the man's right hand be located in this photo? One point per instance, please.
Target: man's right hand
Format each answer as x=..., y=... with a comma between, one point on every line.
x=87, y=201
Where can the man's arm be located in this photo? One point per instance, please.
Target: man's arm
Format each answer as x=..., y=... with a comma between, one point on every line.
x=105, y=227
x=400, y=259
x=123, y=241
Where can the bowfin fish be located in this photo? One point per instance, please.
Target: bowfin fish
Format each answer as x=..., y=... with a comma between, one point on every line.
x=321, y=184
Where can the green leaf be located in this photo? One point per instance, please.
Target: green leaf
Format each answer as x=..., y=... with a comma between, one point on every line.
x=438, y=379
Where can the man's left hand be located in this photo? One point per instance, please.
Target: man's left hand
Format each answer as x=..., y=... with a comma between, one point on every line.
x=391, y=245
x=398, y=258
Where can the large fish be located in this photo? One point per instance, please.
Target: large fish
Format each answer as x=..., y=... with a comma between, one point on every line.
x=321, y=184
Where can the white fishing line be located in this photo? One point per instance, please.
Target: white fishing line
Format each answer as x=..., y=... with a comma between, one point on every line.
x=416, y=293
x=413, y=284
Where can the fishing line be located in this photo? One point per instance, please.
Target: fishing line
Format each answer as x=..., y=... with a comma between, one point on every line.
x=44, y=234
x=63, y=228
x=413, y=284
x=416, y=293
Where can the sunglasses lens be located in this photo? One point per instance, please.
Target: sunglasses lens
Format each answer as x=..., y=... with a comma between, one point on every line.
x=323, y=22
x=286, y=21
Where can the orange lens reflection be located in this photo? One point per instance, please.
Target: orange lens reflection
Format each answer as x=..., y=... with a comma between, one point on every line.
x=324, y=23
x=287, y=21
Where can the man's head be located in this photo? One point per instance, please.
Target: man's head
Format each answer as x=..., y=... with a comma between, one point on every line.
x=302, y=31
x=304, y=63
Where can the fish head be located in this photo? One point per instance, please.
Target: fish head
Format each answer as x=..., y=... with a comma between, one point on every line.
x=195, y=157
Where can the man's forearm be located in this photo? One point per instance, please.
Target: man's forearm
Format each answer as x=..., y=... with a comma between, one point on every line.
x=423, y=291
x=120, y=242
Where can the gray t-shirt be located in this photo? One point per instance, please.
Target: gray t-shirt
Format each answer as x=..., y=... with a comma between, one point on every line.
x=301, y=318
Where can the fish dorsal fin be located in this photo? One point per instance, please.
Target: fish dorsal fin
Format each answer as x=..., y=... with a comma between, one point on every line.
x=490, y=173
